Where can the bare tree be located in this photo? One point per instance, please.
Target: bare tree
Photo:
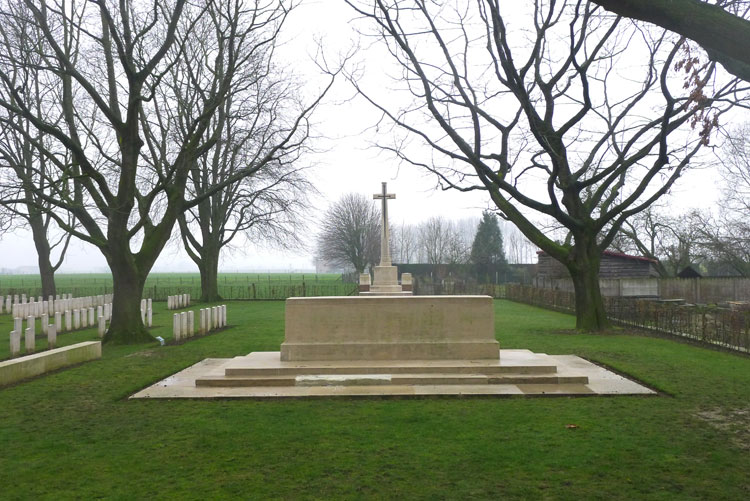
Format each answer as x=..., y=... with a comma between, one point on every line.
x=518, y=249
x=725, y=236
x=568, y=117
x=433, y=240
x=129, y=170
x=350, y=233
x=405, y=243
x=674, y=241
x=24, y=169
x=259, y=112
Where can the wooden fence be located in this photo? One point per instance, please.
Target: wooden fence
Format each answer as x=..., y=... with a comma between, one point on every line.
x=693, y=290
x=708, y=324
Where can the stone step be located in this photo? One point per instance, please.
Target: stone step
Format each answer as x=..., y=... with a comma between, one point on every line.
x=241, y=367
x=371, y=379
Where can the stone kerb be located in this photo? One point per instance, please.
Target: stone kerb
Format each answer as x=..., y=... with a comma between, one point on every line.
x=46, y=361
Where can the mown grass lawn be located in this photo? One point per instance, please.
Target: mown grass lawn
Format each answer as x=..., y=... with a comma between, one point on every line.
x=73, y=434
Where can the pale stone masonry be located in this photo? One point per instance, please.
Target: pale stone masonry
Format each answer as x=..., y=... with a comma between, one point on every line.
x=30, y=340
x=385, y=275
x=15, y=343
x=51, y=336
x=211, y=318
x=389, y=328
x=46, y=361
x=102, y=326
x=177, y=327
x=177, y=302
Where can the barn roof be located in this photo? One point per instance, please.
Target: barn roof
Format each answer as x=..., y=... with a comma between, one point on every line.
x=616, y=254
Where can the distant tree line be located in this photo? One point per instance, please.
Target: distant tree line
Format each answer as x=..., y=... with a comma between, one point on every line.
x=350, y=239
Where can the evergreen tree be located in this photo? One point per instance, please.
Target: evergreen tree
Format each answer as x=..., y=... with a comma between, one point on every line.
x=487, y=254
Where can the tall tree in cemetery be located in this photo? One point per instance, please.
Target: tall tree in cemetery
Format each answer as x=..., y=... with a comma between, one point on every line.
x=132, y=165
x=487, y=252
x=25, y=172
x=564, y=116
x=350, y=233
x=259, y=112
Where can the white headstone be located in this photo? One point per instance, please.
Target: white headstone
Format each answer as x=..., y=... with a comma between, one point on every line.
x=76, y=319
x=51, y=336
x=149, y=318
x=68, y=321
x=191, y=323
x=184, y=324
x=58, y=321
x=15, y=343
x=30, y=341
x=102, y=326
x=176, y=324
x=45, y=322
x=92, y=316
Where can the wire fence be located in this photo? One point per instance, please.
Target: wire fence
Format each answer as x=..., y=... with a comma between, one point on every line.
x=261, y=287
x=707, y=324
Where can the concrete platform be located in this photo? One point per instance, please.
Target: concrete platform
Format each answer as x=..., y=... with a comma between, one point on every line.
x=515, y=372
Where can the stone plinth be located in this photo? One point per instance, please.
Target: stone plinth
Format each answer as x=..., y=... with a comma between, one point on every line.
x=390, y=328
x=46, y=361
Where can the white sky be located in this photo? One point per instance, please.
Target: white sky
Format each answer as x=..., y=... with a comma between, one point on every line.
x=347, y=164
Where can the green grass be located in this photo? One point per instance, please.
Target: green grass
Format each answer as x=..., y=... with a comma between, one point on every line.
x=73, y=434
x=160, y=285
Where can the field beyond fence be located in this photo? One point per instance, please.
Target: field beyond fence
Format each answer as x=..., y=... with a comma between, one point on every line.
x=707, y=324
x=249, y=286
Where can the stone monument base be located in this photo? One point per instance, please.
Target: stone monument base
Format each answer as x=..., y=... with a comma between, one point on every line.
x=390, y=328
x=390, y=346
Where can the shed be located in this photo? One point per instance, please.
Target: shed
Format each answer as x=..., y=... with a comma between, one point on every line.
x=612, y=265
x=689, y=272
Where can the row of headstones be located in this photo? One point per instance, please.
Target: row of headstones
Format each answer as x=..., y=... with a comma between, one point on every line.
x=77, y=318
x=60, y=304
x=74, y=320
x=7, y=305
x=146, y=312
x=178, y=301
x=183, y=325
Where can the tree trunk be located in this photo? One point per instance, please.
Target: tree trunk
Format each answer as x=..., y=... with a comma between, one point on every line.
x=209, y=269
x=126, y=326
x=590, y=312
x=46, y=271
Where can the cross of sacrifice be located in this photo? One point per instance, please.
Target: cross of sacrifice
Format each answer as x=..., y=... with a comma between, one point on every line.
x=385, y=250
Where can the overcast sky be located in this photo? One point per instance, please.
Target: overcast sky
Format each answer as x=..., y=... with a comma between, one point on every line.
x=347, y=164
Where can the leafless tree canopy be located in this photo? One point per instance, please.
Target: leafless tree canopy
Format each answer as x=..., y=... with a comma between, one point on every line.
x=350, y=233
x=561, y=112
x=137, y=87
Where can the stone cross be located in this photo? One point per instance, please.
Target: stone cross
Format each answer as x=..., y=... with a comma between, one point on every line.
x=385, y=249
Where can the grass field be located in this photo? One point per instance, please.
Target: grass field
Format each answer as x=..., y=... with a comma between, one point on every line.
x=160, y=285
x=74, y=434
